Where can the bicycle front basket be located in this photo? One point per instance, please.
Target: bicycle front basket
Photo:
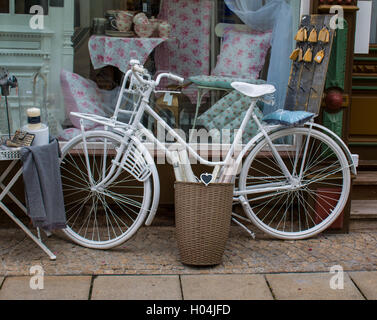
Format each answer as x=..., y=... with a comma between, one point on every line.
x=134, y=163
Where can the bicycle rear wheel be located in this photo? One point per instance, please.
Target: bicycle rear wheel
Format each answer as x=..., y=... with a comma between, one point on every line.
x=320, y=192
x=109, y=216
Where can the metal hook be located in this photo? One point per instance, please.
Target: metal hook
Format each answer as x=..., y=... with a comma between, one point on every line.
x=307, y=67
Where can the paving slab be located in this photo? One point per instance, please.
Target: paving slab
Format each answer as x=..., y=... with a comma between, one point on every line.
x=366, y=282
x=55, y=288
x=136, y=288
x=225, y=287
x=311, y=286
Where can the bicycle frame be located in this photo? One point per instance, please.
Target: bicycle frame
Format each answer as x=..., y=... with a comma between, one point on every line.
x=228, y=167
x=129, y=153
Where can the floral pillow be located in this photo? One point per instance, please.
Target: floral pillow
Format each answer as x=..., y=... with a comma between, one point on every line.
x=70, y=133
x=228, y=114
x=243, y=54
x=81, y=95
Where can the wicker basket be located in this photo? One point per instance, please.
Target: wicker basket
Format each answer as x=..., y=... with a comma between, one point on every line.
x=203, y=217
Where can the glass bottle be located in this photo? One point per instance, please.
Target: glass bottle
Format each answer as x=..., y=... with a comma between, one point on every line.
x=147, y=7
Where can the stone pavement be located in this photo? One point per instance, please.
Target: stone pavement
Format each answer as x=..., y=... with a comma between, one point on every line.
x=297, y=286
x=148, y=267
x=153, y=251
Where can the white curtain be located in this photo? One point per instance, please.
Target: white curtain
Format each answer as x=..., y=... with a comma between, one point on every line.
x=275, y=15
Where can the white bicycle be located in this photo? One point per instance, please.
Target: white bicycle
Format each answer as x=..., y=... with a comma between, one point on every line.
x=293, y=184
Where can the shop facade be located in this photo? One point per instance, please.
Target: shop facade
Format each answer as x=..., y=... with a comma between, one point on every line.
x=73, y=64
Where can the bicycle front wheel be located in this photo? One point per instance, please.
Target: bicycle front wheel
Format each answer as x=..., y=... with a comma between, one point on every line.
x=318, y=194
x=105, y=217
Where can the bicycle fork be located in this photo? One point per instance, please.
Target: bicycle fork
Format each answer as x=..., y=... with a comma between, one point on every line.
x=113, y=174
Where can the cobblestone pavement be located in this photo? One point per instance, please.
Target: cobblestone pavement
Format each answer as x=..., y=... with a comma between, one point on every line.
x=153, y=251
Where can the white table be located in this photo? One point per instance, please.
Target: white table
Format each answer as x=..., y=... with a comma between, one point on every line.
x=13, y=155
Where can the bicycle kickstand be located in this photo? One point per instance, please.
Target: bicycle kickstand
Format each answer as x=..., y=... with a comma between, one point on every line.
x=251, y=233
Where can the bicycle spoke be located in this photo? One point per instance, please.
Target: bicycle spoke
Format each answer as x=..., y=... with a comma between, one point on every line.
x=99, y=216
x=311, y=203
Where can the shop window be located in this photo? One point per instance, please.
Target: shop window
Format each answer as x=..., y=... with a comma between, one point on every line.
x=4, y=6
x=196, y=50
x=23, y=6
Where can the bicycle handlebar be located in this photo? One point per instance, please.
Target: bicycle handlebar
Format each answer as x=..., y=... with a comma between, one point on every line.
x=139, y=71
x=169, y=76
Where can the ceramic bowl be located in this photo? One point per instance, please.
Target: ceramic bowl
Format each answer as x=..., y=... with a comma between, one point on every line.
x=164, y=29
x=144, y=30
x=140, y=18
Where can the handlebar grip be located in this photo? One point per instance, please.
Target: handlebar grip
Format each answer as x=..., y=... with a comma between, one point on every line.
x=138, y=69
x=134, y=61
x=176, y=78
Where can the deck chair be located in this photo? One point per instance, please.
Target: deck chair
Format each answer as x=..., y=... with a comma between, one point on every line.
x=304, y=94
x=250, y=49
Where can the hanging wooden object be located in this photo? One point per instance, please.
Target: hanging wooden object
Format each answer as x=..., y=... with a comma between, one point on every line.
x=295, y=54
x=313, y=37
x=300, y=55
x=324, y=35
x=307, y=80
x=301, y=35
x=319, y=56
x=308, y=57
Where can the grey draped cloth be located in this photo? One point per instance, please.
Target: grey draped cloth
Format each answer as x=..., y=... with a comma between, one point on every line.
x=43, y=186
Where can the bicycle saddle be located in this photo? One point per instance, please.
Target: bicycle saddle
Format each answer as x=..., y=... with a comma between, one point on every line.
x=254, y=90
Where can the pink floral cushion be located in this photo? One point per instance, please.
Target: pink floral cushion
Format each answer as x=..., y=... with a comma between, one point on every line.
x=243, y=54
x=69, y=134
x=81, y=95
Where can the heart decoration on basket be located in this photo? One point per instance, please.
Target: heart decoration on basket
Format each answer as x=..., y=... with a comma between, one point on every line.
x=206, y=178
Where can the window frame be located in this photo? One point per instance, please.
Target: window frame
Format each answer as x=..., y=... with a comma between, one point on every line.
x=373, y=34
x=12, y=10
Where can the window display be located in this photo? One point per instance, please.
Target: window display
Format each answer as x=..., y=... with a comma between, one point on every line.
x=178, y=36
x=81, y=95
x=273, y=15
x=243, y=54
